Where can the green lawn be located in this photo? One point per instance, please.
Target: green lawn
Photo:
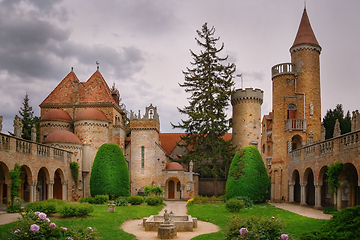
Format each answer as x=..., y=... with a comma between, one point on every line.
x=108, y=224
x=217, y=214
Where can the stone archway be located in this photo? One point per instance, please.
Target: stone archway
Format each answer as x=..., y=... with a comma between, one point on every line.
x=57, y=187
x=309, y=191
x=42, y=184
x=173, y=188
x=4, y=181
x=25, y=190
x=297, y=188
x=348, y=192
x=327, y=198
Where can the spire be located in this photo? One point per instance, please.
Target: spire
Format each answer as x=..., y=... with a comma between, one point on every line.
x=305, y=34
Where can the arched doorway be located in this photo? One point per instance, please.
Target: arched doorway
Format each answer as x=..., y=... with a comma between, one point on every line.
x=41, y=188
x=25, y=186
x=310, y=187
x=326, y=195
x=57, y=188
x=173, y=188
x=4, y=176
x=349, y=189
x=296, y=142
x=297, y=188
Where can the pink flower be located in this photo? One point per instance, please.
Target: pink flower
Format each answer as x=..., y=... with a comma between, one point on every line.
x=64, y=228
x=37, y=213
x=243, y=231
x=42, y=216
x=34, y=228
x=17, y=231
x=70, y=238
x=47, y=219
x=90, y=228
x=284, y=236
x=52, y=225
x=273, y=217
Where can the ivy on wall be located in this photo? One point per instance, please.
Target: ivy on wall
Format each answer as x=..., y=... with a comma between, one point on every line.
x=333, y=173
x=74, y=166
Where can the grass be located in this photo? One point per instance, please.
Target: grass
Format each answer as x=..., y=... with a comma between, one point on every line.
x=108, y=224
x=217, y=214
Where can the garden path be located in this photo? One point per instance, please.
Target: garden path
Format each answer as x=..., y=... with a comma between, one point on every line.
x=178, y=208
x=302, y=210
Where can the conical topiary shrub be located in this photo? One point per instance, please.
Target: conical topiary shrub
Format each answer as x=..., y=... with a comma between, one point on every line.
x=248, y=176
x=109, y=173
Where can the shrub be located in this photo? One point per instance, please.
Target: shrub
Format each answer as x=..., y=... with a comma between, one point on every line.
x=38, y=226
x=121, y=201
x=75, y=210
x=330, y=210
x=135, y=200
x=90, y=200
x=234, y=205
x=248, y=176
x=201, y=199
x=109, y=174
x=98, y=199
x=247, y=201
x=15, y=186
x=74, y=166
x=257, y=228
x=46, y=206
x=214, y=199
x=344, y=224
x=154, y=201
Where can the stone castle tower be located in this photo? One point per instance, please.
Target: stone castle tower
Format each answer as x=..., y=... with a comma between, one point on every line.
x=296, y=104
x=246, y=117
x=144, y=138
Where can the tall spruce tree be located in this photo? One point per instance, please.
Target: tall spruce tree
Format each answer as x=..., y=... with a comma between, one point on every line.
x=210, y=84
x=27, y=117
x=330, y=118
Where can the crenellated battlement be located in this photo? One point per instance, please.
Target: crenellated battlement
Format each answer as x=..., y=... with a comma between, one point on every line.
x=254, y=95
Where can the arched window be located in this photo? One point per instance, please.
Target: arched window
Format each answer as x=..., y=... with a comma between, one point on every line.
x=291, y=111
x=142, y=156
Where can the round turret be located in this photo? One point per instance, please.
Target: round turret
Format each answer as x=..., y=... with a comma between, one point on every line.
x=246, y=117
x=52, y=120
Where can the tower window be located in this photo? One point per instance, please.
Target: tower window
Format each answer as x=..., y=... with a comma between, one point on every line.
x=142, y=156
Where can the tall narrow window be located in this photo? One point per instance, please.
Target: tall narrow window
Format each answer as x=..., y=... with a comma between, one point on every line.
x=142, y=156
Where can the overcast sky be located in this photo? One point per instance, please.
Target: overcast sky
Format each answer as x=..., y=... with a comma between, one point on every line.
x=143, y=46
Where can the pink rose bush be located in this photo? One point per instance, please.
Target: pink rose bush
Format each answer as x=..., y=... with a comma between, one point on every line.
x=36, y=225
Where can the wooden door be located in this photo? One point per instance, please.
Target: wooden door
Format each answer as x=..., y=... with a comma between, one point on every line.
x=171, y=188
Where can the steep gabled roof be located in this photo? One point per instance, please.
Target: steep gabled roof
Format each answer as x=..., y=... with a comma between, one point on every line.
x=94, y=90
x=305, y=34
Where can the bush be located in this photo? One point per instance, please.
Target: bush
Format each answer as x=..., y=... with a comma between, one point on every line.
x=247, y=201
x=98, y=199
x=234, y=205
x=214, y=199
x=257, y=228
x=135, y=200
x=46, y=206
x=38, y=226
x=13, y=209
x=201, y=199
x=121, y=201
x=330, y=210
x=248, y=176
x=154, y=201
x=344, y=224
x=109, y=173
x=75, y=210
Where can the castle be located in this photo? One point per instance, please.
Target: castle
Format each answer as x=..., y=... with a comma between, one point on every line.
x=78, y=117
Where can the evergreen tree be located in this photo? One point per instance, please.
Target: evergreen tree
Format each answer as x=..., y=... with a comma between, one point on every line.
x=210, y=83
x=27, y=118
x=330, y=118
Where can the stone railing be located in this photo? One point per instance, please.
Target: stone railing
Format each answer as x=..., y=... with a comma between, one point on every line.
x=282, y=68
x=342, y=144
x=295, y=124
x=17, y=145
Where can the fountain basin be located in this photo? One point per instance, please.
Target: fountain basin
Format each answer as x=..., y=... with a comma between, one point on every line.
x=182, y=223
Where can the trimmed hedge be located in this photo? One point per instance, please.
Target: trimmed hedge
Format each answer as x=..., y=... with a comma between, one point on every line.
x=75, y=210
x=248, y=176
x=47, y=206
x=98, y=199
x=135, y=200
x=109, y=173
x=234, y=205
x=154, y=201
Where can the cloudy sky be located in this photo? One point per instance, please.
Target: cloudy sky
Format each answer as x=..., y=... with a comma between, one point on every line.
x=143, y=46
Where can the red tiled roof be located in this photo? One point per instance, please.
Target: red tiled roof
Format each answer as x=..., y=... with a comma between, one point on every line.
x=305, y=33
x=62, y=136
x=56, y=114
x=174, y=166
x=94, y=90
x=91, y=113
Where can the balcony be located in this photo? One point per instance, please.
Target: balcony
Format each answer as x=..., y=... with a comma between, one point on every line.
x=295, y=124
x=282, y=68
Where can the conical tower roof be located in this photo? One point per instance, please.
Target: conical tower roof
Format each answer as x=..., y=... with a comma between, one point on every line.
x=305, y=34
